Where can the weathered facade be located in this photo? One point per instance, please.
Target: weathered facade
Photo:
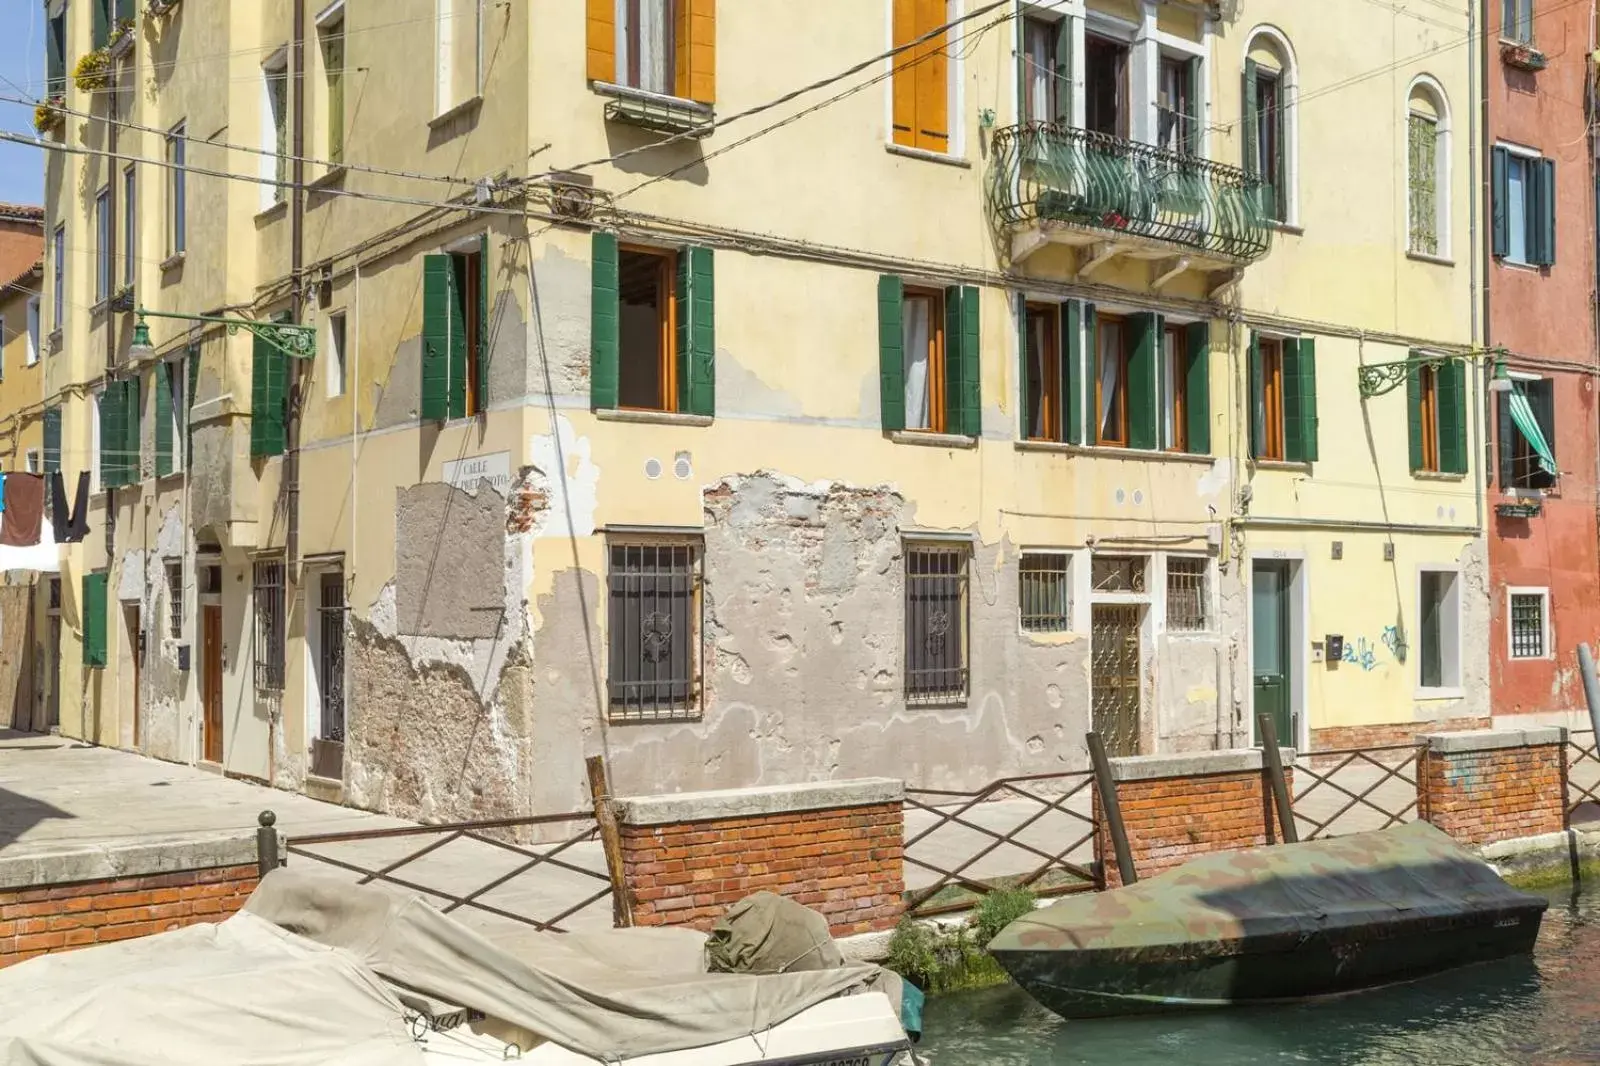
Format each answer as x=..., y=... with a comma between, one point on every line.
x=1012, y=393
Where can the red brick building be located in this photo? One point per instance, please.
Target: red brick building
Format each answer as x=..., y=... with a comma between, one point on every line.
x=1539, y=305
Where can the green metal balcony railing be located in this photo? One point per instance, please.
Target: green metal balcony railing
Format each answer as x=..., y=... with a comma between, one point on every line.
x=1060, y=174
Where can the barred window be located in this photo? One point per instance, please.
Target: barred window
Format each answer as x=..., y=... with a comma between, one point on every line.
x=175, y=598
x=1118, y=573
x=1423, y=175
x=936, y=623
x=1528, y=624
x=1186, y=593
x=653, y=617
x=1043, y=592
x=269, y=608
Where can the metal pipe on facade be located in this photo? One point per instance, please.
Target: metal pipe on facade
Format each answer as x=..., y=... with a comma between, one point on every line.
x=297, y=222
x=1591, y=687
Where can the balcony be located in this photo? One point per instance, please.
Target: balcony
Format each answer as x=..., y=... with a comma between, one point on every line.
x=1055, y=184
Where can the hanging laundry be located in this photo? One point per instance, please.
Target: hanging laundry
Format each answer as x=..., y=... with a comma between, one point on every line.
x=70, y=528
x=2, y=493
x=24, y=514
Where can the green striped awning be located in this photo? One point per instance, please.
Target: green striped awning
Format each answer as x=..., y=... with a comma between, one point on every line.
x=1522, y=415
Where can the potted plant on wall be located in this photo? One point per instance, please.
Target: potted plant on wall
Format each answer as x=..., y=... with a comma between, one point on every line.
x=161, y=7
x=48, y=115
x=1522, y=56
x=121, y=38
x=93, y=71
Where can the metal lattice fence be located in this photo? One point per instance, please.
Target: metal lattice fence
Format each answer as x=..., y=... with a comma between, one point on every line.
x=1583, y=776
x=1355, y=790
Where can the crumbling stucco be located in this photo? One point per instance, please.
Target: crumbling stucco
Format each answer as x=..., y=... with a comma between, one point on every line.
x=448, y=549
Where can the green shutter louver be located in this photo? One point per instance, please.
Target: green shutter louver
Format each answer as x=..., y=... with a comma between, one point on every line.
x=163, y=419
x=1414, y=428
x=1063, y=71
x=1145, y=334
x=93, y=608
x=1300, y=401
x=1071, y=370
x=1091, y=373
x=605, y=339
x=697, y=333
x=56, y=55
x=456, y=328
x=193, y=361
x=1191, y=130
x=891, y=353
x=113, y=435
x=1542, y=219
x=100, y=26
x=480, y=401
x=1258, y=399
x=963, y=415
x=1251, y=152
x=1452, y=385
x=1197, y=388
x=1500, y=197
x=52, y=439
x=133, y=442
x=1503, y=439
x=268, y=372
x=437, y=283
x=1025, y=402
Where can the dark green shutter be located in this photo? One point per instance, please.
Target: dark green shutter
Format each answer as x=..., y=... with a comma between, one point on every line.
x=1145, y=330
x=1248, y=118
x=1503, y=439
x=101, y=26
x=1026, y=401
x=56, y=61
x=1063, y=72
x=1414, y=427
x=1258, y=399
x=604, y=314
x=132, y=441
x=697, y=333
x=1071, y=370
x=124, y=10
x=1091, y=373
x=113, y=435
x=963, y=415
x=193, y=359
x=456, y=326
x=163, y=419
x=1197, y=388
x=1300, y=400
x=52, y=438
x=268, y=371
x=1500, y=196
x=436, y=285
x=1542, y=220
x=93, y=608
x=1452, y=385
x=1191, y=130
x=1542, y=401
x=891, y=353
x=480, y=401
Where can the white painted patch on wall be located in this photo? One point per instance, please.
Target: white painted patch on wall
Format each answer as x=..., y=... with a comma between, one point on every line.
x=574, y=482
x=1216, y=479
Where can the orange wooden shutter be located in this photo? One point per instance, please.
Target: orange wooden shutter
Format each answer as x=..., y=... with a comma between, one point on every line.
x=601, y=35
x=904, y=78
x=932, y=80
x=702, y=50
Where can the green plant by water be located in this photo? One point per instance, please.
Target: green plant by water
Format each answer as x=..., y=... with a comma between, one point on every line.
x=956, y=957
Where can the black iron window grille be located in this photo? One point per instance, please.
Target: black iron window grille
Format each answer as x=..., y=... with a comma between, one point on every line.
x=1186, y=594
x=1527, y=625
x=269, y=611
x=1043, y=592
x=175, y=598
x=1118, y=573
x=654, y=593
x=936, y=623
x=330, y=659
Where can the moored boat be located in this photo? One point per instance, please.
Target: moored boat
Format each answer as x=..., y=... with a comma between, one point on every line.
x=1274, y=923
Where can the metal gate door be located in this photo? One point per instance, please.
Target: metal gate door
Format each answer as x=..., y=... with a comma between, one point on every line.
x=1114, y=676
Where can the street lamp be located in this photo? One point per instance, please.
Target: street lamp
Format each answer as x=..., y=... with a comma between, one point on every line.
x=1501, y=382
x=294, y=341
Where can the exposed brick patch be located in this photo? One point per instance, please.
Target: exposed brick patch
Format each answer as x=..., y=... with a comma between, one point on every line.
x=843, y=862
x=37, y=921
x=1171, y=820
x=1479, y=797
x=1342, y=737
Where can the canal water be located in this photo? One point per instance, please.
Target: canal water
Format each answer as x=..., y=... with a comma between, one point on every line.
x=1542, y=1011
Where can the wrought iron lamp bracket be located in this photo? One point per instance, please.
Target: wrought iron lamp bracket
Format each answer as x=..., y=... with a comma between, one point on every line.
x=293, y=340
x=1375, y=379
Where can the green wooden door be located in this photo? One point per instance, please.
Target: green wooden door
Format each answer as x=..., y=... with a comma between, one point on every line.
x=1269, y=647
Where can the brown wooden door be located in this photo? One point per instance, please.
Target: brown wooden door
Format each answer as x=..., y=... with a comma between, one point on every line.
x=211, y=680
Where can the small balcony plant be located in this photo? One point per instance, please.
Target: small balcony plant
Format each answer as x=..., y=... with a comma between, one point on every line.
x=93, y=71
x=121, y=38
x=1522, y=56
x=161, y=7
x=48, y=115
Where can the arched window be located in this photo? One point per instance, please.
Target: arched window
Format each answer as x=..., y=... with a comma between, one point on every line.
x=1427, y=169
x=1269, y=121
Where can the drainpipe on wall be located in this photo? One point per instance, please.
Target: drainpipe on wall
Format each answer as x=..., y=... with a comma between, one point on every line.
x=1479, y=427
x=1484, y=248
x=297, y=220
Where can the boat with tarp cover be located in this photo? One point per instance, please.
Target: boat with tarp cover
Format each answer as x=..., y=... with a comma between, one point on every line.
x=1266, y=924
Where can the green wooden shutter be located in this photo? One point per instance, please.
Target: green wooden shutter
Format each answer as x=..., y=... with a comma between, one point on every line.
x=1145, y=330
x=333, y=53
x=604, y=314
x=163, y=419
x=1191, y=132
x=268, y=372
x=193, y=359
x=1063, y=72
x=1252, y=160
x=1258, y=399
x=1197, y=388
x=1542, y=401
x=1025, y=400
x=93, y=606
x=133, y=442
x=436, y=286
x=1453, y=417
x=891, y=353
x=124, y=10
x=1542, y=221
x=1503, y=439
x=1071, y=370
x=1414, y=428
x=697, y=333
x=480, y=401
x=1500, y=196
x=52, y=438
x=1091, y=373
x=101, y=25
x=963, y=415
x=457, y=327
x=56, y=61
x=113, y=435
x=1300, y=400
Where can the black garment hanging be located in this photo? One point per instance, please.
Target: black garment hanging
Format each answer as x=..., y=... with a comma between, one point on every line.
x=69, y=529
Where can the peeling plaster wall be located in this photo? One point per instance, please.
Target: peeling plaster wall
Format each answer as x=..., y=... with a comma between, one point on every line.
x=1201, y=704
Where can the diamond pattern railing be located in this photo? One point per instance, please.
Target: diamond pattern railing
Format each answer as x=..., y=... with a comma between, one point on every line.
x=1583, y=774
x=1355, y=790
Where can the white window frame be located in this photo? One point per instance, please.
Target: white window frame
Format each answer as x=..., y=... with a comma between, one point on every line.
x=444, y=45
x=177, y=394
x=1532, y=17
x=1069, y=559
x=337, y=367
x=1290, y=87
x=1430, y=86
x=94, y=440
x=1451, y=657
x=955, y=87
x=31, y=461
x=1208, y=594
x=32, y=357
x=105, y=240
x=1531, y=154
x=1544, y=617
x=177, y=190
x=272, y=193
x=58, y=276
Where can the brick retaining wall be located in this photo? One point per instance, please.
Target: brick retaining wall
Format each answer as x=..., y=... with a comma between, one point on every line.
x=835, y=847
x=1490, y=785
x=1343, y=737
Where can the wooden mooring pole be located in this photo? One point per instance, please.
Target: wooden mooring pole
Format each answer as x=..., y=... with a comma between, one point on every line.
x=1110, y=809
x=1272, y=763
x=605, y=817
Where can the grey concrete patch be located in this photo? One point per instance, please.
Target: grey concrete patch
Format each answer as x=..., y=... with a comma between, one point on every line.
x=750, y=802
x=110, y=861
x=741, y=392
x=1152, y=767
x=449, y=555
x=1494, y=739
x=399, y=396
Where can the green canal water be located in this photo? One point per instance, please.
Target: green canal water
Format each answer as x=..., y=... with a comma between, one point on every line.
x=1541, y=1011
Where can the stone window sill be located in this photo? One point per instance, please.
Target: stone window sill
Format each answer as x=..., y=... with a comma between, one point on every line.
x=1436, y=260
x=1293, y=229
x=450, y=114
x=668, y=418
x=1104, y=452
x=1440, y=693
x=931, y=440
x=276, y=211
x=924, y=154
x=1281, y=464
x=334, y=175
x=1436, y=475
x=173, y=261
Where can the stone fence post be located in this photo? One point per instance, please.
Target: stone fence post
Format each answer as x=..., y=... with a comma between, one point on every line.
x=1486, y=785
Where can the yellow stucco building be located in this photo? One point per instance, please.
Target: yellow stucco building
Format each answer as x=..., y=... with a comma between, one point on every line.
x=1000, y=389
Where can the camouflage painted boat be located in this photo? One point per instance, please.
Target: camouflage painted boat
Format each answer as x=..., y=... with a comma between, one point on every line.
x=1270, y=924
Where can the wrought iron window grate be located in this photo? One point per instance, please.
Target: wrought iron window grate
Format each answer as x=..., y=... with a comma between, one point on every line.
x=1118, y=573
x=330, y=665
x=654, y=639
x=269, y=610
x=936, y=623
x=1043, y=592
x=1423, y=180
x=175, y=599
x=1527, y=625
x=1186, y=594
